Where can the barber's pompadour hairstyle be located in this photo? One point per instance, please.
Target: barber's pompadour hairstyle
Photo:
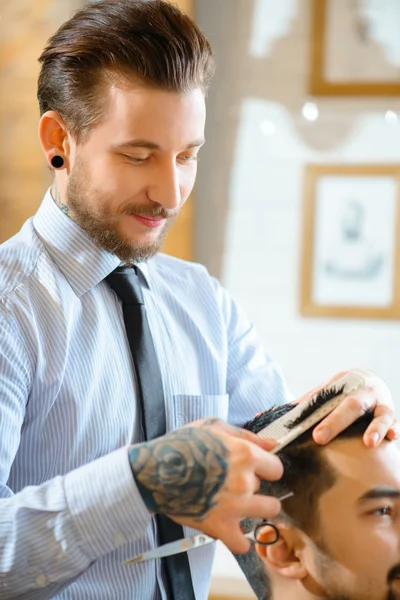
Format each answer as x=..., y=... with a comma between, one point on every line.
x=149, y=42
x=306, y=473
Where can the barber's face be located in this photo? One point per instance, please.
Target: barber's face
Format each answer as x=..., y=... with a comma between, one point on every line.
x=132, y=174
x=357, y=556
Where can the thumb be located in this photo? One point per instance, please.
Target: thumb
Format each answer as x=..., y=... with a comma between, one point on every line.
x=267, y=443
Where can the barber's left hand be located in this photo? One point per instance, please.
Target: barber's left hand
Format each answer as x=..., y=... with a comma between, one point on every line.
x=376, y=396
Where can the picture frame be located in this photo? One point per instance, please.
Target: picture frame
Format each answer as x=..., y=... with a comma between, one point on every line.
x=351, y=242
x=351, y=51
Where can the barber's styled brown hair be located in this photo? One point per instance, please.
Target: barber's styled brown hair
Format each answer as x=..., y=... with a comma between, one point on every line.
x=150, y=42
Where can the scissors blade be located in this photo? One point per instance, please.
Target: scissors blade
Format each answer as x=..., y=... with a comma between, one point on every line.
x=195, y=541
x=184, y=545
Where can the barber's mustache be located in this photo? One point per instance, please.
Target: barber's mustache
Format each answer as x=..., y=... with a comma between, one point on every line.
x=152, y=211
x=394, y=573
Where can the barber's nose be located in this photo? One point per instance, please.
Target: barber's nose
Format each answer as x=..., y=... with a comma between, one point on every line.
x=166, y=187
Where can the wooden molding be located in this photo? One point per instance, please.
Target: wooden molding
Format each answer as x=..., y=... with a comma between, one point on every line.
x=318, y=84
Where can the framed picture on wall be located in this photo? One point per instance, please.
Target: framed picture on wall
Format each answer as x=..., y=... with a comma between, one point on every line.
x=351, y=241
x=355, y=47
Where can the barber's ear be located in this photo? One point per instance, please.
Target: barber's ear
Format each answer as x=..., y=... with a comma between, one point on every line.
x=285, y=556
x=54, y=137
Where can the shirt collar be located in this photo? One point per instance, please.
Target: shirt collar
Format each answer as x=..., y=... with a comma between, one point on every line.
x=82, y=263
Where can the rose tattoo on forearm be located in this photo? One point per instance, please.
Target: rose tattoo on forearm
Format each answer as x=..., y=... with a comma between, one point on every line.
x=180, y=473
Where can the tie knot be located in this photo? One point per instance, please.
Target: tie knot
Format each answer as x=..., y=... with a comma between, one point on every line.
x=126, y=284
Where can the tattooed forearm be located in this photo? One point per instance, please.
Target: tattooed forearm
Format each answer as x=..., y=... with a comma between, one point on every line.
x=180, y=473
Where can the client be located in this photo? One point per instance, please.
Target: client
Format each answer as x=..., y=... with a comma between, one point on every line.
x=339, y=534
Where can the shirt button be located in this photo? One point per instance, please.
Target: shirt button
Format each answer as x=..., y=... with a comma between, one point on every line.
x=119, y=539
x=41, y=580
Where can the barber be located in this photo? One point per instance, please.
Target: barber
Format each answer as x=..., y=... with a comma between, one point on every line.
x=119, y=365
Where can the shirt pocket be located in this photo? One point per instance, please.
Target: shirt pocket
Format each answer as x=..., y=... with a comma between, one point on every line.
x=188, y=408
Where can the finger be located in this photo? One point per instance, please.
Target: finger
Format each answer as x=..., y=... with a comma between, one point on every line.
x=394, y=431
x=379, y=388
x=243, y=434
x=262, y=507
x=343, y=415
x=268, y=444
x=384, y=419
x=264, y=443
x=267, y=466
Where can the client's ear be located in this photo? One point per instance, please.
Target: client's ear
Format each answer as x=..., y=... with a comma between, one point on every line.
x=285, y=556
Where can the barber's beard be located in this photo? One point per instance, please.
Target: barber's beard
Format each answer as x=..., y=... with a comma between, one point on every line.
x=102, y=228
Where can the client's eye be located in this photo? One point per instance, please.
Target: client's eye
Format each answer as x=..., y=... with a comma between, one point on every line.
x=385, y=511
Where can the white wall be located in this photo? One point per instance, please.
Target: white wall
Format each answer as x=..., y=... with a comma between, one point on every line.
x=262, y=262
x=249, y=196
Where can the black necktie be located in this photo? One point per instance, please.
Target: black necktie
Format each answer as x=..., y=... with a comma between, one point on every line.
x=126, y=285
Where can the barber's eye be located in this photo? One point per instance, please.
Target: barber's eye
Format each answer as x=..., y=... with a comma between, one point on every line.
x=188, y=158
x=136, y=159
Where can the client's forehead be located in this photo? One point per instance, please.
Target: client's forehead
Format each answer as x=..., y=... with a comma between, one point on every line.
x=358, y=468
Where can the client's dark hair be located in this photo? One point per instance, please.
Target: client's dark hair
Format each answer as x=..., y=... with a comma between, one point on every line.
x=306, y=473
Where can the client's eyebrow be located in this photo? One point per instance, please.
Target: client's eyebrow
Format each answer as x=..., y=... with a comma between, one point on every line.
x=380, y=492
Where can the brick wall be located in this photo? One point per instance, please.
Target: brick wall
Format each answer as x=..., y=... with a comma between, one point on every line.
x=25, y=27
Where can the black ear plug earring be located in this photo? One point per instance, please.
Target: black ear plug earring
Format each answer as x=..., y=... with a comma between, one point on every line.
x=57, y=162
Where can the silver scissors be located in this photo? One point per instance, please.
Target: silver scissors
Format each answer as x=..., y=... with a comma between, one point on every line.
x=199, y=540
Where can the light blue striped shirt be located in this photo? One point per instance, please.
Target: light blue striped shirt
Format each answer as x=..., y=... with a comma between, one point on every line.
x=70, y=512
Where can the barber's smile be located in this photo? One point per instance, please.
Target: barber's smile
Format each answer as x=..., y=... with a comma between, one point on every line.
x=151, y=222
x=394, y=575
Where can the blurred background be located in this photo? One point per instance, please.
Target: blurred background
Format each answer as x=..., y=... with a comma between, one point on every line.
x=296, y=207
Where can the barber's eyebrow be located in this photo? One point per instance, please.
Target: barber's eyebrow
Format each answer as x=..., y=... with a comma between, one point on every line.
x=380, y=492
x=132, y=144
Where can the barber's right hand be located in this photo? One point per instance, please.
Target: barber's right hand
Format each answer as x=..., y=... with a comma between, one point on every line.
x=206, y=475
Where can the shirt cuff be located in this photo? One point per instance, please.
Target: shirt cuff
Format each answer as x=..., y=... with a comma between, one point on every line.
x=105, y=503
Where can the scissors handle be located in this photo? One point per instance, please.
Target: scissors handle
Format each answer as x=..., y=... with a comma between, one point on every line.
x=195, y=541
